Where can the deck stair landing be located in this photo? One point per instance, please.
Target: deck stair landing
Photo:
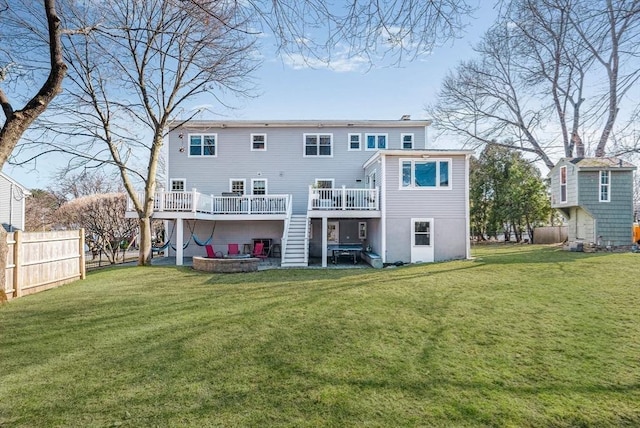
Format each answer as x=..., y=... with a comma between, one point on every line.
x=297, y=248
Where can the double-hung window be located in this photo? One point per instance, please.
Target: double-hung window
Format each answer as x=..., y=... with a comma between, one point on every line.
x=354, y=142
x=258, y=186
x=376, y=141
x=236, y=186
x=407, y=141
x=318, y=145
x=605, y=186
x=178, y=184
x=202, y=145
x=258, y=142
x=425, y=174
x=563, y=184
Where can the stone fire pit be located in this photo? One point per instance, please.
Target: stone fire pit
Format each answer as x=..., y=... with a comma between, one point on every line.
x=229, y=265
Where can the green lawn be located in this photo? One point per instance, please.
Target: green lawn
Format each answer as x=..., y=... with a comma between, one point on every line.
x=520, y=336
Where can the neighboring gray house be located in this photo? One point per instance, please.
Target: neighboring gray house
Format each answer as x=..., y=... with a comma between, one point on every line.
x=12, y=203
x=595, y=195
x=304, y=187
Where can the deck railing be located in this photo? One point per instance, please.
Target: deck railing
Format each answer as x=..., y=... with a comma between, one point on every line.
x=344, y=199
x=194, y=201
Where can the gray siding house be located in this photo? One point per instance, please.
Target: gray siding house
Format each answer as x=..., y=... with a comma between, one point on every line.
x=595, y=195
x=307, y=188
x=12, y=203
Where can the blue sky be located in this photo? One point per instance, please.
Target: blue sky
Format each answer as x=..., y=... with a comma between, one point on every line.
x=348, y=91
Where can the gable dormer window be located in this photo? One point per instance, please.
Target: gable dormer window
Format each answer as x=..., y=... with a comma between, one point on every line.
x=563, y=184
x=605, y=186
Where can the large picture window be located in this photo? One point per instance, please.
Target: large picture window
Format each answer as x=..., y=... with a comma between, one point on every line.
x=425, y=174
x=376, y=141
x=563, y=184
x=316, y=145
x=605, y=186
x=202, y=145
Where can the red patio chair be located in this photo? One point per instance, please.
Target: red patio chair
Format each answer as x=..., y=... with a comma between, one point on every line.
x=211, y=254
x=258, y=250
x=233, y=250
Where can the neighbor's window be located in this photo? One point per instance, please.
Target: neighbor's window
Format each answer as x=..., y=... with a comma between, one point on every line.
x=236, y=186
x=563, y=184
x=605, y=184
x=422, y=233
x=202, y=145
x=407, y=141
x=318, y=145
x=258, y=187
x=258, y=142
x=376, y=141
x=178, y=184
x=354, y=141
x=425, y=174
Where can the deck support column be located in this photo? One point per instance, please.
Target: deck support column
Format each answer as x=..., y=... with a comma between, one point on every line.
x=324, y=241
x=179, y=242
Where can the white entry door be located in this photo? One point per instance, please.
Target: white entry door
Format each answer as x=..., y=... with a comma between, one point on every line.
x=333, y=232
x=421, y=240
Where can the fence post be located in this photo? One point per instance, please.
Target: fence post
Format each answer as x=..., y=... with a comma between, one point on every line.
x=83, y=265
x=17, y=237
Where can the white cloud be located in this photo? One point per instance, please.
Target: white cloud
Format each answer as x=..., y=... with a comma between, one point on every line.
x=340, y=61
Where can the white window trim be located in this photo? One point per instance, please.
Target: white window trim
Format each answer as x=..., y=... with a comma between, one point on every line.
x=349, y=142
x=366, y=148
x=265, y=143
x=173, y=180
x=425, y=188
x=316, y=134
x=566, y=178
x=608, y=186
x=244, y=184
x=266, y=185
x=333, y=182
x=202, y=135
x=413, y=139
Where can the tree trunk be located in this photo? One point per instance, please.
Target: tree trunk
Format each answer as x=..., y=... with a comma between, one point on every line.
x=144, y=255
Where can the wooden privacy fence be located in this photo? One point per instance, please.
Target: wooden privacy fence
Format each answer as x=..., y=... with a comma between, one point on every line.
x=38, y=261
x=549, y=234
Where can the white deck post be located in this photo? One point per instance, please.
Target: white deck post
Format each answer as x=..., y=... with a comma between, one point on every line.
x=160, y=199
x=179, y=241
x=324, y=241
x=344, y=197
x=194, y=200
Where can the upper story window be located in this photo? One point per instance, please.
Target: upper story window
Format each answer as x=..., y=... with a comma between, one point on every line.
x=236, y=186
x=376, y=141
x=407, y=141
x=425, y=174
x=258, y=142
x=318, y=145
x=563, y=184
x=354, y=141
x=202, y=144
x=605, y=186
x=258, y=186
x=178, y=184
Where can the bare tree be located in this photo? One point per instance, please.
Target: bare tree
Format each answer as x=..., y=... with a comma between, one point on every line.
x=548, y=74
x=17, y=120
x=40, y=211
x=103, y=218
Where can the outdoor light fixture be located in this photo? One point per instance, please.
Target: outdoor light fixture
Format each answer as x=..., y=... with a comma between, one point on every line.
x=181, y=149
